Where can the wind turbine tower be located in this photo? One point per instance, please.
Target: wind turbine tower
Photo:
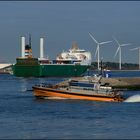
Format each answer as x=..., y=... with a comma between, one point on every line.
x=138, y=48
x=98, y=48
x=120, y=51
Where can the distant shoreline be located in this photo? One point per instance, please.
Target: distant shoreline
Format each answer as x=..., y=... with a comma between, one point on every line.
x=113, y=66
x=117, y=70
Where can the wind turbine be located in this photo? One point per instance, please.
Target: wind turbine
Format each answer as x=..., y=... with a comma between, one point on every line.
x=138, y=48
x=119, y=50
x=98, y=48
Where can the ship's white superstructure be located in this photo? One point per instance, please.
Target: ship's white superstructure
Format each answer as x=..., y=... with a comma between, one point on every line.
x=75, y=54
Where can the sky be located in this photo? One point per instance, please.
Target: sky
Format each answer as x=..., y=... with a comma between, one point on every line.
x=62, y=22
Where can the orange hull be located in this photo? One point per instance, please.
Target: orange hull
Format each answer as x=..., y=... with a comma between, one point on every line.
x=49, y=92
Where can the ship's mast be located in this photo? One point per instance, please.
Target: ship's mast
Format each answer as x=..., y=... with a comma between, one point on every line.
x=28, y=49
x=30, y=40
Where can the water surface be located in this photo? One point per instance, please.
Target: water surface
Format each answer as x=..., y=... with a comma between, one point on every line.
x=23, y=116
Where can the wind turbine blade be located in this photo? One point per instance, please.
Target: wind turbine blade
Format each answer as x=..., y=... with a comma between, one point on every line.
x=117, y=51
x=96, y=51
x=105, y=42
x=93, y=38
x=134, y=49
x=116, y=40
x=125, y=44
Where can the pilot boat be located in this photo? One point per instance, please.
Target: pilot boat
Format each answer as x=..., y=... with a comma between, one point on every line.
x=85, y=90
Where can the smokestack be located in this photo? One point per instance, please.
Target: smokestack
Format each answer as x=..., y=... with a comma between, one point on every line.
x=41, y=47
x=22, y=47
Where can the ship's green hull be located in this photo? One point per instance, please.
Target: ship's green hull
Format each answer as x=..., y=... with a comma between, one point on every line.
x=66, y=70
x=26, y=71
x=34, y=69
x=27, y=67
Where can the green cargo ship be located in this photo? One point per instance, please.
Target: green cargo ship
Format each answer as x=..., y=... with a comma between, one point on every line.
x=30, y=67
x=73, y=63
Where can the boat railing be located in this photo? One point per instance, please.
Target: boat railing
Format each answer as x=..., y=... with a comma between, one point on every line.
x=49, y=85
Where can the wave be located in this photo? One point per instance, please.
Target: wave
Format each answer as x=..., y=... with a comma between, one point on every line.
x=134, y=98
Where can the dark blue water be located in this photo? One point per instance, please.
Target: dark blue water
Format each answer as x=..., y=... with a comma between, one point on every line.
x=22, y=116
